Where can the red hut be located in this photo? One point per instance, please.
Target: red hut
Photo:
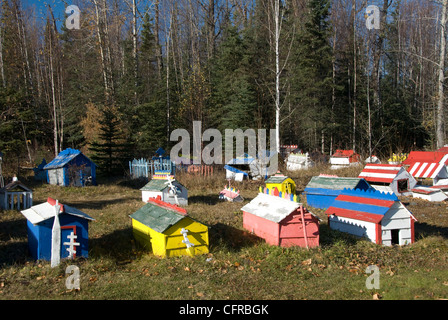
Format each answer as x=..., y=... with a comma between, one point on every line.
x=281, y=220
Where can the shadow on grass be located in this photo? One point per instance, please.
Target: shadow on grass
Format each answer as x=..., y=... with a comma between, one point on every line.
x=209, y=199
x=13, y=242
x=425, y=230
x=231, y=238
x=118, y=245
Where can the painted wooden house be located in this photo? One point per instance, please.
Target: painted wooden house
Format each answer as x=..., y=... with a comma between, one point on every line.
x=428, y=165
x=166, y=188
x=230, y=194
x=344, y=158
x=280, y=220
x=15, y=195
x=283, y=183
x=375, y=215
x=430, y=193
x=71, y=168
x=254, y=167
x=322, y=190
x=73, y=224
x=168, y=230
x=298, y=161
x=389, y=178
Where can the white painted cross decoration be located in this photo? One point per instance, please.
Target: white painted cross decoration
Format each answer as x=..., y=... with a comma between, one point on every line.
x=173, y=189
x=71, y=245
x=186, y=240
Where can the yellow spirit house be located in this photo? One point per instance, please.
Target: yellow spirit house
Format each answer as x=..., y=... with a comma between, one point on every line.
x=282, y=183
x=168, y=230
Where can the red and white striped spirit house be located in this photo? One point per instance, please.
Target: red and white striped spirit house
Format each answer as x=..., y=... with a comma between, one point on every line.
x=428, y=165
x=377, y=216
x=389, y=178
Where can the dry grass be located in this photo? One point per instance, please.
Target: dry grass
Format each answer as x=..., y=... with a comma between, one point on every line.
x=239, y=265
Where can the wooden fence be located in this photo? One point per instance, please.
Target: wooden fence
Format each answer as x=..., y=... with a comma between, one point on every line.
x=146, y=168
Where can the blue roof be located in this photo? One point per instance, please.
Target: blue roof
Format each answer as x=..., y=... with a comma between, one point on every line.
x=227, y=167
x=63, y=158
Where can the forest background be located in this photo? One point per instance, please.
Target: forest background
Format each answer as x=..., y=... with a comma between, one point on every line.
x=136, y=70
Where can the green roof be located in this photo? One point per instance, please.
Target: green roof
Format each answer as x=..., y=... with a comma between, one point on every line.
x=335, y=183
x=276, y=179
x=155, y=185
x=156, y=217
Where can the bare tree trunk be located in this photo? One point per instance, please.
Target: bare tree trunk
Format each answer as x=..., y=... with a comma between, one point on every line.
x=2, y=71
x=440, y=134
x=157, y=38
x=355, y=66
x=277, y=72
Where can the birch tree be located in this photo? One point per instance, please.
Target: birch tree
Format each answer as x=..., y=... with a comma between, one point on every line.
x=440, y=133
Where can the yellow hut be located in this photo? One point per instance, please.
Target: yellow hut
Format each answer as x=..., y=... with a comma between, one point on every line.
x=168, y=230
x=282, y=183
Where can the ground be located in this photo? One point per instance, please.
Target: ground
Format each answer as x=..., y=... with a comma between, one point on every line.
x=239, y=265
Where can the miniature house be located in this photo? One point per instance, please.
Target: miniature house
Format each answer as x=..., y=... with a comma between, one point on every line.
x=168, y=230
x=230, y=194
x=167, y=189
x=280, y=220
x=247, y=166
x=298, y=161
x=73, y=225
x=377, y=216
x=344, y=158
x=71, y=168
x=282, y=183
x=322, y=190
x=389, y=178
x=15, y=195
x=428, y=165
x=433, y=193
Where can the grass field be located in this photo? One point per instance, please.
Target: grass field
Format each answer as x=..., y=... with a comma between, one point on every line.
x=239, y=265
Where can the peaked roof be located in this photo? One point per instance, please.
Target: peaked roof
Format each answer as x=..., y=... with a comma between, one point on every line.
x=426, y=156
x=270, y=207
x=159, y=215
x=44, y=211
x=13, y=185
x=380, y=172
x=63, y=158
x=336, y=183
x=277, y=178
x=426, y=169
x=369, y=205
x=157, y=184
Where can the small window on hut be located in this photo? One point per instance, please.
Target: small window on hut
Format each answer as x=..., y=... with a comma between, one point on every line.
x=402, y=185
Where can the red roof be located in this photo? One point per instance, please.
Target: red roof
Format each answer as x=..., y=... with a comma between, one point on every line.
x=426, y=156
x=380, y=172
x=354, y=157
x=426, y=169
x=157, y=201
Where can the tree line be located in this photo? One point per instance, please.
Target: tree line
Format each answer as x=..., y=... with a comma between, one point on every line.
x=135, y=70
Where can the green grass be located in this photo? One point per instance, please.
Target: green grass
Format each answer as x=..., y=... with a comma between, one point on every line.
x=239, y=265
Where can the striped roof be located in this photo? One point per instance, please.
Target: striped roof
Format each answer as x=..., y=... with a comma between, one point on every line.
x=370, y=206
x=426, y=156
x=426, y=169
x=380, y=172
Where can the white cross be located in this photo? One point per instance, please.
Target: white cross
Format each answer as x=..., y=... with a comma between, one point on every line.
x=186, y=240
x=71, y=245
